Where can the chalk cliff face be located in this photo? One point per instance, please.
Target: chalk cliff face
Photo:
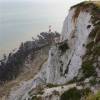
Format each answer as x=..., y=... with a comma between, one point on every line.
x=76, y=56
x=63, y=67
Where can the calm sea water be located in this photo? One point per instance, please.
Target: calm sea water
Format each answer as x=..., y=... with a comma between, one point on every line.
x=20, y=21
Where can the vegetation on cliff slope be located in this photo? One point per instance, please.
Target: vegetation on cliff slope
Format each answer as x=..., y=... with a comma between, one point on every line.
x=75, y=94
x=92, y=96
x=13, y=64
x=90, y=59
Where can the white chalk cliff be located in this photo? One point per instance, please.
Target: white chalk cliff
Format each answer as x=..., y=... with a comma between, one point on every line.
x=66, y=57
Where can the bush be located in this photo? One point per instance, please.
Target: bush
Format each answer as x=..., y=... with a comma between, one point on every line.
x=93, y=81
x=63, y=47
x=75, y=94
x=88, y=69
x=90, y=45
x=72, y=94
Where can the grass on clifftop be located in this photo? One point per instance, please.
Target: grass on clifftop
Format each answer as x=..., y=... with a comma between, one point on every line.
x=86, y=6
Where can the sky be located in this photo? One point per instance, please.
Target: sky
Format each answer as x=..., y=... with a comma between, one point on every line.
x=37, y=17
x=45, y=1
x=66, y=3
x=42, y=0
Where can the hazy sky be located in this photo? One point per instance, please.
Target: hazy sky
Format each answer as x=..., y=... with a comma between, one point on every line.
x=66, y=3
x=38, y=15
x=41, y=0
x=45, y=1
